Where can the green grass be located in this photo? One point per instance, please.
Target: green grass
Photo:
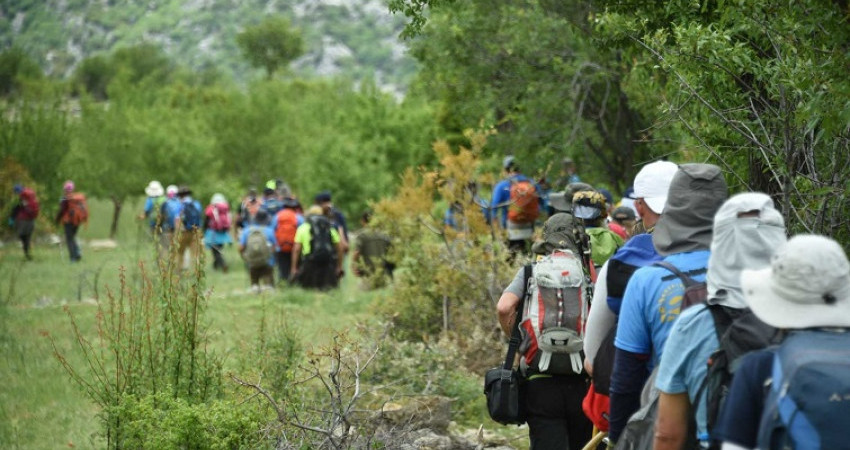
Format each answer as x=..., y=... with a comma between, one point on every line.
x=41, y=407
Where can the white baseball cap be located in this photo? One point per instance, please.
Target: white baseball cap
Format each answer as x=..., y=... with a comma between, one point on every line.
x=807, y=285
x=653, y=182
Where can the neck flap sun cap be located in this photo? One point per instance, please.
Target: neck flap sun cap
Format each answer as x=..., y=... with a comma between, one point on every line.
x=695, y=195
x=559, y=233
x=652, y=184
x=741, y=242
x=807, y=285
x=588, y=205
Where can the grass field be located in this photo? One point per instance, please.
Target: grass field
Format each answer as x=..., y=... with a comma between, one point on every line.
x=42, y=408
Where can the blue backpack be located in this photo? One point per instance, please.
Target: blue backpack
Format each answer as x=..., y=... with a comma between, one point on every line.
x=169, y=211
x=191, y=216
x=808, y=406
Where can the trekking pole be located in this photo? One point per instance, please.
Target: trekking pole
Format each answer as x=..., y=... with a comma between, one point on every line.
x=595, y=440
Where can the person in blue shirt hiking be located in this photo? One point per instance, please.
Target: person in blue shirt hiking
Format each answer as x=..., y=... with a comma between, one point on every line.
x=516, y=203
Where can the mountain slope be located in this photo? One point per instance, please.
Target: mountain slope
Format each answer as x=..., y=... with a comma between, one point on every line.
x=357, y=38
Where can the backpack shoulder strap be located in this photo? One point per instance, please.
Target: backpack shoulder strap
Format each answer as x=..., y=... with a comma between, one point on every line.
x=684, y=276
x=516, y=337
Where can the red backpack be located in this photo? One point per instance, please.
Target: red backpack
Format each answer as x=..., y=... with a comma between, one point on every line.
x=524, y=206
x=78, y=211
x=31, y=205
x=219, y=215
x=287, y=224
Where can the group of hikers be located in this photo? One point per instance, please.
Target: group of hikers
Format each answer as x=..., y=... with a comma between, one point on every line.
x=73, y=213
x=272, y=230
x=688, y=321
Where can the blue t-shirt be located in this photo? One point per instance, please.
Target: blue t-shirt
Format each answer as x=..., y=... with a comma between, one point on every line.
x=652, y=302
x=502, y=195
x=243, y=239
x=739, y=420
x=684, y=362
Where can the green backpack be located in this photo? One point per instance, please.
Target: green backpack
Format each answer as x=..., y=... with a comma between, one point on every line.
x=603, y=244
x=257, y=249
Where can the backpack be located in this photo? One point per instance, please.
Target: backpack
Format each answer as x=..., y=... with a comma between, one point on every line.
x=603, y=244
x=696, y=292
x=77, y=211
x=272, y=206
x=554, y=315
x=523, y=207
x=32, y=207
x=257, y=249
x=739, y=332
x=219, y=215
x=287, y=224
x=322, y=249
x=168, y=213
x=809, y=399
x=190, y=216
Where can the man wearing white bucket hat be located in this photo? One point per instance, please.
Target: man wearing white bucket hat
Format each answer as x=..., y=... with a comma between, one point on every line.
x=806, y=290
x=156, y=197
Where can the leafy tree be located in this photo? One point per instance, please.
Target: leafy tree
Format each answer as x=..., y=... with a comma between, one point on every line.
x=143, y=63
x=759, y=88
x=271, y=45
x=93, y=75
x=531, y=71
x=15, y=68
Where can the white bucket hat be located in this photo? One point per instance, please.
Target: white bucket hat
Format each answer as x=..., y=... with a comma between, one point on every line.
x=807, y=285
x=653, y=182
x=154, y=189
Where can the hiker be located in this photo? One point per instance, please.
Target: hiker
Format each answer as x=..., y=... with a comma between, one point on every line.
x=556, y=381
x=622, y=221
x=169, y=212
x=23, y=217
x=336, y=217
x=73, y=212
x=248, y=209
x=590, y=207
x=456, y=210
x=568, y=175
x=285, y=224
x=747, y=231
x=317, y=253
x=271, y=203
x=653, y=296
x=516, y=200
x=257, y=247
x=153, y=205
x=188, y=226
x=217, y=223
x=371, y=249
x=654, y=182
x=795, y=395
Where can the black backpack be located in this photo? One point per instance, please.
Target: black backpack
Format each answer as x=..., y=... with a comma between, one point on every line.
x=322, y=249
x=739, y=332
x=190, y=216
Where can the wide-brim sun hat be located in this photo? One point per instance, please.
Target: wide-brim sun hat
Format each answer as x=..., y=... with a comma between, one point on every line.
x=807, y=285
x=154, y=189
x=563, y=201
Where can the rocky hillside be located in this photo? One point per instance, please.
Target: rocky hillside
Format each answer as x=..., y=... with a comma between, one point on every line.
x=357, y=38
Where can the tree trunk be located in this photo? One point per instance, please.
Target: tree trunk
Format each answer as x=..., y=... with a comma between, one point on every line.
x=113, y=230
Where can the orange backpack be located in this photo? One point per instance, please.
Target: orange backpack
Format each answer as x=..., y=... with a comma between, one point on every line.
x=287, y=224
x=524, y=207
x=77, y=211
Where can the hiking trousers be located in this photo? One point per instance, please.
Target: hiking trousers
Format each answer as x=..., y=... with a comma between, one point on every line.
x=555, y=418
x=218, y=257
x=25, y=229
x=284, y=265
x=71, y=242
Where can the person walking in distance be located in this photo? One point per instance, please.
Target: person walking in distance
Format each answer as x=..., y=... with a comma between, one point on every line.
x=73, y=212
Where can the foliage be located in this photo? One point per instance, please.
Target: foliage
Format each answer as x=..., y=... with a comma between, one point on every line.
x=16, y=67
x=446, y=279
x=161, y=421
x=531, y=70
x=151, y=340
x=759, y=87
x=271, y=45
